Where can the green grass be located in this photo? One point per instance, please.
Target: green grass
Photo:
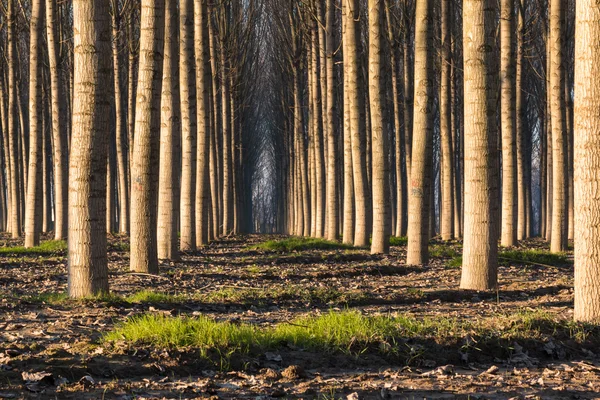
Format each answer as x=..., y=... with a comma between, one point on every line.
x=398, y=241
x=147, y=296
x=260, y=296
x=349, y=332
x=442, y=251
x=535, y=257
x=544, y=257
x=292, y=244
x=50, y=247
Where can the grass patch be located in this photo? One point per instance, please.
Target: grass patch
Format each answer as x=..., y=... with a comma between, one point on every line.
x=442, y=251
x=534, y=257
x=47, y=248
x=147, y=296
x=259, y=296
x=292, y=244
x=351, y=332
x=398, y=241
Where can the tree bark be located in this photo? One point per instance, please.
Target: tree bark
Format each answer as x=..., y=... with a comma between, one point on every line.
x=480, y=251
x=144, y=174
x=587, y=161
x=508, y=123
x=33, y=212
x=170, y=139
x=560, y=220
x=419, y=202
x=87, y=255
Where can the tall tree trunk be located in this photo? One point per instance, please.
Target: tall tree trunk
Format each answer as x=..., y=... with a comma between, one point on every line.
x=480, y=252
x=13, y=126
x=447, y=157
x=508, y=123
x=33, y=212
x=520, y=137
x=144, y=174
x=121, y=127
x=88, y=269
x=203, y=74
x=349, y=196
x=587, y=161
x=362, y=195
x=318, y=135
x=560, y=220
x=381, y=170
x=422, y=141
x=170, y=139
x=188, y=125
x=59, y=131
x=333, y=232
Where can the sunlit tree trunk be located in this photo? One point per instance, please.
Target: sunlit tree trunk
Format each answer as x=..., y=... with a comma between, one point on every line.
x=419, y=198
x=508, y=123
x=87, y=255
x=560, y=221
x=447, y=156
x=13, y=126
x=203, y=118
x=59, y=131
x=33, y=212
x=480, y=251
x=587, y=161
x=381, y=171
x=332, y=200
x=187, y=87
x=362, y=195
x=170, y=139
x=349, y=196
x=144, y=174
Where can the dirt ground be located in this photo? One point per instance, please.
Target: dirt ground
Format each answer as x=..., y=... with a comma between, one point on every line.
x=51, y=350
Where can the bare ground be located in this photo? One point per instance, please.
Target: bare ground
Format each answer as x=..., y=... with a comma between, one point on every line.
x=61, y=341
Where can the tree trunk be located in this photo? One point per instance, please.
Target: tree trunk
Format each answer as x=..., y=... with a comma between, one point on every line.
x=188, y=125
x=508, y=123
x=333, y=232
x=480, y=251
x=144, y=174
x=59, y=131
x=422, y=141
x=170, y=139
x=560, y=220
x=87, y=259
x=203, y=74
x=381, y=171
x=13, y=126
x=362, y=195
x=33, y=212
x=121, y=127
x=587, y=162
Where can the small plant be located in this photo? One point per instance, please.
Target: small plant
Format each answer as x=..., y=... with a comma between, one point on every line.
x=147, y=296
x=442, y=251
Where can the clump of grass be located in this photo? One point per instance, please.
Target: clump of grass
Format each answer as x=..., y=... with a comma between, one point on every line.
x=455, y=262
x=202, y=333
x=348, y=332
x=398, y=241
x=535, y=256
x=442, y=251
x=292, y=244
x=50, y=247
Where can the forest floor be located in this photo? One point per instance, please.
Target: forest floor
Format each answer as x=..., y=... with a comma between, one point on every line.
x=441, y=343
